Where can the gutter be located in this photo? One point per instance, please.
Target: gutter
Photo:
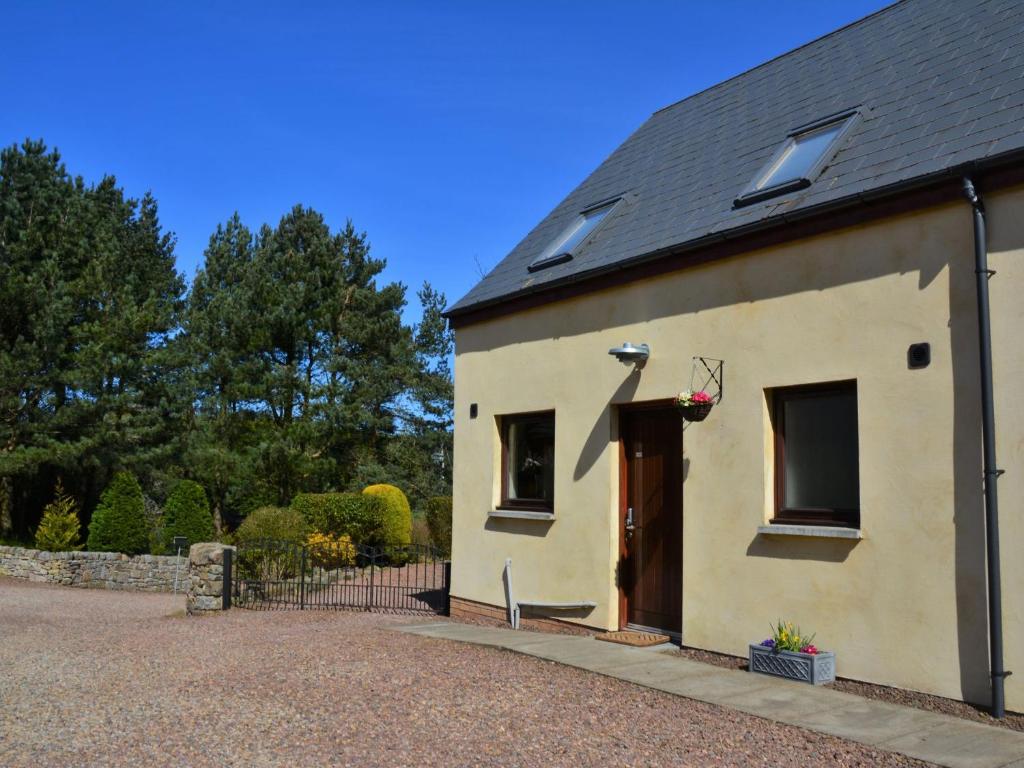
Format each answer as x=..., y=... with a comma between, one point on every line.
x=991, y=473
x=861, y=200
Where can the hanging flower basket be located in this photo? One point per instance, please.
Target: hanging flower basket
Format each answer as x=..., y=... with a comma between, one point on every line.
x=695, y=406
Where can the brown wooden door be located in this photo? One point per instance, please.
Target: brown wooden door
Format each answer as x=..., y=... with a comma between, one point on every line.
x=652, y=566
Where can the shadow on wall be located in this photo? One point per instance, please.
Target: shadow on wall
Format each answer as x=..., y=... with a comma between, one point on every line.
x=601, y=432
x=909, y=244
x=537, y=528
x=797, y=548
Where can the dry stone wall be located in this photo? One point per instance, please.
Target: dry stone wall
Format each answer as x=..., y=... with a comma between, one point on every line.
x=98, y=570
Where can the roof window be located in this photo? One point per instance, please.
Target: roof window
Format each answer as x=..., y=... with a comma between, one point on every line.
x=802, y=156
x=564, y=247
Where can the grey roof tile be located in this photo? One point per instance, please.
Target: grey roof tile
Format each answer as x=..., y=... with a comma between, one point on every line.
x=940, y=83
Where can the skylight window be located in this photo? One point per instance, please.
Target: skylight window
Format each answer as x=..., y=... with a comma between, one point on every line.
x=563, y=248
x=803, y=155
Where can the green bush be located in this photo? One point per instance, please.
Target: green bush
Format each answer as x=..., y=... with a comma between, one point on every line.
x=395, y=514
x=277, y=523
x=60, y=529
x=187, y=513
x=119, y=520
x=342, y=514
x=439, y=520
x=420, y=532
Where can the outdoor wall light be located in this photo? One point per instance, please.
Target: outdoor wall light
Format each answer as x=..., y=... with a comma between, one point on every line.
x=631, y=354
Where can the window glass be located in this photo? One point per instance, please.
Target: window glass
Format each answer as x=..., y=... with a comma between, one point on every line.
x=583, y=228
x=569, y=240
x=816, y=440
x=800, y=155
x=530, y=460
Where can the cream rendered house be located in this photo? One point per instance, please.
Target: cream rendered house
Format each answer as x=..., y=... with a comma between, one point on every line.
x=812, y=225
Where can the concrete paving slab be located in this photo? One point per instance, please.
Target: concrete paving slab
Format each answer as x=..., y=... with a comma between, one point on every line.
x=713, y=688
x=777, y=701
x=552, y=646
x=961, y=744
x=867, y=721
x=425, y=628
x=646, y=671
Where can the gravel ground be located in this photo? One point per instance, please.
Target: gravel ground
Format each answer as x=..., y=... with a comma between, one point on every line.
x=91, y=678
x=926, y=701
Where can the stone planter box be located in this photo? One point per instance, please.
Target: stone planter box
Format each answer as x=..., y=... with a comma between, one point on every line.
x=815, y=669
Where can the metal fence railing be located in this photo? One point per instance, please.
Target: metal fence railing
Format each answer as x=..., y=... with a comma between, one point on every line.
x=409, y=578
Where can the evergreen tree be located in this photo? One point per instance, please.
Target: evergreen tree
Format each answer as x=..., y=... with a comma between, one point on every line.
x=187, y=513
x=88, y=299
x=301, y=359
x=60, y=529
x=287, y=369
x=119, y=520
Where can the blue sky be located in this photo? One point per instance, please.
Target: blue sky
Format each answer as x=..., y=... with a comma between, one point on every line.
x=445, y=130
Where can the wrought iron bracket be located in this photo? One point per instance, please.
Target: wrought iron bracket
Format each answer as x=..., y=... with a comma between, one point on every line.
x=706, y=371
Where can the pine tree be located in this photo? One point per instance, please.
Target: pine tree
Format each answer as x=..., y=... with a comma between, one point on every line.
x=301, y=359
x=88, y=303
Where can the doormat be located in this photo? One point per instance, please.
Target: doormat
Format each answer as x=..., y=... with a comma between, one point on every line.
x=635, y=639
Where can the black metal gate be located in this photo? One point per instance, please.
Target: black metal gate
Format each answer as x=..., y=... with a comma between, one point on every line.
x=394, y=579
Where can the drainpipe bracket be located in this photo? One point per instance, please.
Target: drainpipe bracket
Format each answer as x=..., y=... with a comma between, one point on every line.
x=1005, y=674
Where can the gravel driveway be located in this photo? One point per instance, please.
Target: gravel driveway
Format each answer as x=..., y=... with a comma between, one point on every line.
x=91, y=678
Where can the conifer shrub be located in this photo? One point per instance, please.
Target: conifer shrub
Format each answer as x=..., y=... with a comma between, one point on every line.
x=187, y=513
x=119, y=521
x=354, y=515
x=60, y=528
x=439, y=521
x=395, y=514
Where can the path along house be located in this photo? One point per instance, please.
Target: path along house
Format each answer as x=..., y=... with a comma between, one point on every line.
x=810, y=232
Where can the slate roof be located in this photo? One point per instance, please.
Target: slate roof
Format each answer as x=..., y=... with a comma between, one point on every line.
x=940, y=83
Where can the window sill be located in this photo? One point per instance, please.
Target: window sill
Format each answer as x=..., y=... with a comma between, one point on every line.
x=812, y=531
x=522, y=514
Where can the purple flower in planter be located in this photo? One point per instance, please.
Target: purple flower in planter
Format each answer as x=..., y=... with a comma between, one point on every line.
x=769, y=643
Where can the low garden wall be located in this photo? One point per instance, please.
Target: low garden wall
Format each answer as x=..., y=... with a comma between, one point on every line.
x=98, y=570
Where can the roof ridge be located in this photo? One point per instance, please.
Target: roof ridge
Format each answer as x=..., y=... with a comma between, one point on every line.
x=783, y=55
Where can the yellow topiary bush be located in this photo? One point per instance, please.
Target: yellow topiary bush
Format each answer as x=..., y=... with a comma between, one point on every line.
x=330, y=552
x=396, y=514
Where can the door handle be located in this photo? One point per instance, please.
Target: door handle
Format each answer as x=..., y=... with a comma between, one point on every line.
x=630, y=527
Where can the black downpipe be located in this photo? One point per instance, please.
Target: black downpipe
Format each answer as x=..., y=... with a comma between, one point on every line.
x=988, y=430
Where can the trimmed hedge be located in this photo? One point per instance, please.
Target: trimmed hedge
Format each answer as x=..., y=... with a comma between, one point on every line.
x=187, y=513
x=396, y=519
x=342, y=514
x=277, y=523
x=439, y=521
x=119, y=521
